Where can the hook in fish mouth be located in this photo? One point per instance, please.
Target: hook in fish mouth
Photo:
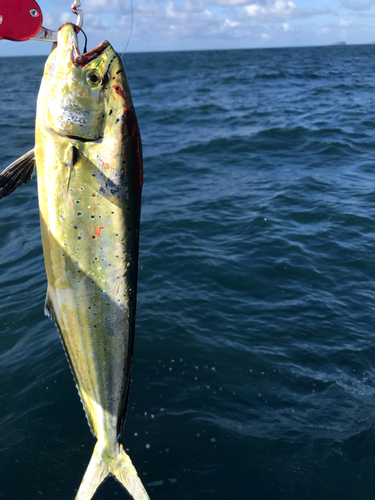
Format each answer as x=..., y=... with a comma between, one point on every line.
x=81, y=60
x=74, y=137
x=78, y=59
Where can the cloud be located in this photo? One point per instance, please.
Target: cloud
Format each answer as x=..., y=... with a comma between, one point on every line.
x=209, y=24
x=231, y=3
x=273, y=10
x=169, y=23
x=172, y=21
x=229, y=23
x=357, y=5
x=101, y=6
x=95, y=6
x=93, y=23
x=278, y=10
x=194, y=6
x=203, y=24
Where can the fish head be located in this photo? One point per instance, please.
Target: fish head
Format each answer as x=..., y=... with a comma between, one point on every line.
x=77, y=89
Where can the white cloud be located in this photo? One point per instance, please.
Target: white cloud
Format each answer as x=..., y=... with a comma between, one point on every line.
x=229, y=23
x=174, y=13
x=66, y=17
x=231, y=3
x=278, y=10
x=194, y=5
x=95, y=6
x=265, y=36
x=173, y=24
x=101, y=6
x=342, y=22
x=96, y=23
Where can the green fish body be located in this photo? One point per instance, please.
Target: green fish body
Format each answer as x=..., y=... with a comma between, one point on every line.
x=89, y=161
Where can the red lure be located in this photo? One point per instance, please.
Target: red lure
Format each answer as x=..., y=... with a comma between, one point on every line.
x=20, y=20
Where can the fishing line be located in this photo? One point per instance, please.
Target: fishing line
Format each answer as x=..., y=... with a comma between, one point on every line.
x=85, y=47
x=131, y=30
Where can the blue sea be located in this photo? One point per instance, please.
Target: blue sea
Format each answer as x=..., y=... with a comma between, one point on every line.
x=254, y=371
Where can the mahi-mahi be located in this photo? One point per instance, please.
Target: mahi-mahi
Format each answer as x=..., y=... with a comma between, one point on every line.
x=89, y=161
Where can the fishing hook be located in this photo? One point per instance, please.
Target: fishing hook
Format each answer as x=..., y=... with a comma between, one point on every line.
x=78, y=12
x=51, y=36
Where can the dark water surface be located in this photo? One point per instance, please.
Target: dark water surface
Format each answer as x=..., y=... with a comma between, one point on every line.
x=255, y=341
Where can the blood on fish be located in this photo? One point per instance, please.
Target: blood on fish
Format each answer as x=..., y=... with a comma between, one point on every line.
x=98, y=231
x=119, y=91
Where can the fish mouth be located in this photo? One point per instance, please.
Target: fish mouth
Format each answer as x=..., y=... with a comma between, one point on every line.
x=74, y=137
x=81, y=60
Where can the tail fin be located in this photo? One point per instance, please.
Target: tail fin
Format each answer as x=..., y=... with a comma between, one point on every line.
x=101, y=466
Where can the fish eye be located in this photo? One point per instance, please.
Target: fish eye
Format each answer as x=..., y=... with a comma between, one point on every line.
x=93, y=78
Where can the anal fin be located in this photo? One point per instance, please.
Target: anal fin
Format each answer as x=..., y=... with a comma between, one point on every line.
x=19, y=172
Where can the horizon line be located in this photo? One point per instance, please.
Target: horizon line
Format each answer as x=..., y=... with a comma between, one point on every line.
x=336, y=44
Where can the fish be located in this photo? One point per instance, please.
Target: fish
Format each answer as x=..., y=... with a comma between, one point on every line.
x=88, y=156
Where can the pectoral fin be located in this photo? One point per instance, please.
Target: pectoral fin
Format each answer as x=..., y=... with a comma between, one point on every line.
x=19, y=172
x=70, y=159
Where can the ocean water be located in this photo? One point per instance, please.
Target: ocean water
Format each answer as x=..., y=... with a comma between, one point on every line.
x=255, y=339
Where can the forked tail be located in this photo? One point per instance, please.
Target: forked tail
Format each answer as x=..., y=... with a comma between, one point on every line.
x=120, y=466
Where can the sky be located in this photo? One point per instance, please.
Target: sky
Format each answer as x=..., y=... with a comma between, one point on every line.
x=160, y=25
